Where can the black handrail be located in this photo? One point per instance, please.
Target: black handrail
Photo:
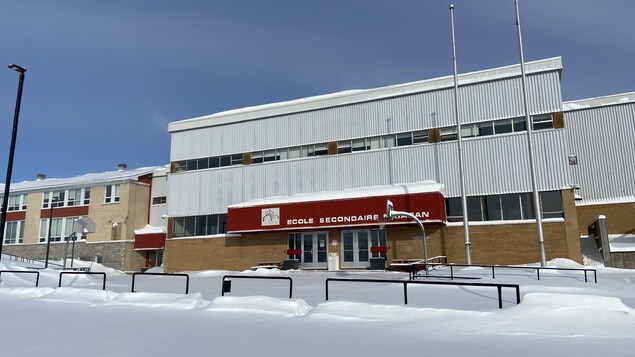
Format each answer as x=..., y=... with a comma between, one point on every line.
x=406, y=282
x=82, y=273
x=37, y=278
x=537, y=269
x=187, y=279
x=226, y=283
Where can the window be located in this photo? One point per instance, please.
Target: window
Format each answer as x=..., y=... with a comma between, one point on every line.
x=270, y=155
x=515, y=206
x=388, y=140
x=503, y=126
x=14, y=232
x=420, y=137
x=485, y=129
x=454, y=209
x=74, y=197
x=474, y=209
x=256, y=157
x=237, y=159
x=225, y=161
x=66, y=198
x=544, y=121
x=202, y=164
x=404, y=139
x=61, y=229
x=551, y=204
x=321, y=149
x=519, y=124
x=359, y=145
x=199, y=225
x=493, y=208
x=511, y=207
x=112, y=194
x=344, y=147
x=448, y=133
x=469, y=130
x=159, y=200
x=87, y=196
x=17, y=203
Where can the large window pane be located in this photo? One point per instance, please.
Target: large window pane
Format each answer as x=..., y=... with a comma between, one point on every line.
x=420, y=137
x=189, y=226
x=493, y=208
x=544, y=121
x=212, y=224
x=551, y=204
x=202, y=163
x=503, y=126
x=519, y=124
x=200, y=226
x=454, y=209
x=404, y=139
x=344, y=147
x=527, y=203
x=511, y=207
x=474, y=209
x=485, y=129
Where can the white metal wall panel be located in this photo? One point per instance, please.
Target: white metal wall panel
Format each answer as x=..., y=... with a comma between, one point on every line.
x=603, y=140
x=478, y=102
x=494, y=165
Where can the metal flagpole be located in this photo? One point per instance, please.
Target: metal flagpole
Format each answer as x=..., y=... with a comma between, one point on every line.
x=466, y=227
x=532, y=160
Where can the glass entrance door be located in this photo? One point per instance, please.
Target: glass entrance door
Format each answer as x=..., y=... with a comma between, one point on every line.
x=355, y=249
x=314, y=250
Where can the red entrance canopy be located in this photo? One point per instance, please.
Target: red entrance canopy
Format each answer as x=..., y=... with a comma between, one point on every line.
x=348, y=208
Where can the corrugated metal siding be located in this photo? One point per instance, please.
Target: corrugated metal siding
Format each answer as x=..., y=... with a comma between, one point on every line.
x=481, y=101
x=494, y=165
x=603, y=140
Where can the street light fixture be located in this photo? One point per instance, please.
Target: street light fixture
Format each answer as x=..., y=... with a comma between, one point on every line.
x=14, y=135
x=391, y=213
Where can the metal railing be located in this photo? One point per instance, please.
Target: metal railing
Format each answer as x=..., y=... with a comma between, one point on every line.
x=537, y=269
x=187, y=279
x=62, y=273
x=226, y=282
x=405, y=283
x=37, y=278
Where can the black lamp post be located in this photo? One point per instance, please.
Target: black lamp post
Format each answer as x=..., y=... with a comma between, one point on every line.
x=48, y=238
x=7, y=184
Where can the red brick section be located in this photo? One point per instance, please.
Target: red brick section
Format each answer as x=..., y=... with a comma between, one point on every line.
x=64, y=212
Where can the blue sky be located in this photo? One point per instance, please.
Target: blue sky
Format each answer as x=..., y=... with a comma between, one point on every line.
x=106, y=77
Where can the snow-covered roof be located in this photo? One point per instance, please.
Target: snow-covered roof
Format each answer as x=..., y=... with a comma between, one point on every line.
x=599, y=101
x=389, y=190
x=148, y=229
x=622, y=242
x=86, y=180
x=363, y=95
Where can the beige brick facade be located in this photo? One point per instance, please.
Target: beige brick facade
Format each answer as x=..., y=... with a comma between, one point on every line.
x=620, y=217
x=115, y=223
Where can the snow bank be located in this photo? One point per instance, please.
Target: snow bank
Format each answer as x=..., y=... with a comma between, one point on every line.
x=261, y=305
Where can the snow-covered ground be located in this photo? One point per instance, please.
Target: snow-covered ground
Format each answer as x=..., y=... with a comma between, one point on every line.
x=560, y=315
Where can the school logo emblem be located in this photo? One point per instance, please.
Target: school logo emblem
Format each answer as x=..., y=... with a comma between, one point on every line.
x=270, y=216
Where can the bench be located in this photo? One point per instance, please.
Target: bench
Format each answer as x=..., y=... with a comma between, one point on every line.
x=268, y=265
